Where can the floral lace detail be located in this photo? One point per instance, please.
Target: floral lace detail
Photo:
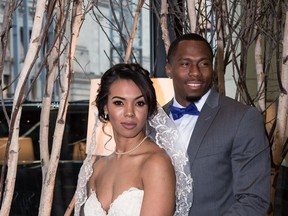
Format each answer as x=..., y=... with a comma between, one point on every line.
x=85, y=172
x=168, y=138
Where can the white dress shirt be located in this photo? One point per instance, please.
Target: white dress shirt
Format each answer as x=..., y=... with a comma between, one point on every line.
x=187, y=122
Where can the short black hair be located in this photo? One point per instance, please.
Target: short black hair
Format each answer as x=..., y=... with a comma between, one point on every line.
x=190, y=36
x=129, y=71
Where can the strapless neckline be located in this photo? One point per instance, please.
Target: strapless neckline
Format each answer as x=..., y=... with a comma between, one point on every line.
x=118, y=206
x=115, y=200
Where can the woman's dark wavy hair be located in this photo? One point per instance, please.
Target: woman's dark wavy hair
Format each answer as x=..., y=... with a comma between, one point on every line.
x=134, y=72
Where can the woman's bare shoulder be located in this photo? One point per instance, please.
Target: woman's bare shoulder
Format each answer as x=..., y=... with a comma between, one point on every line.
x=157, y=159
x=158, y=172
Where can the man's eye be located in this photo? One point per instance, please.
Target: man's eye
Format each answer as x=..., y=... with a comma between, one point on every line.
x=204, y=64
x=184, y=64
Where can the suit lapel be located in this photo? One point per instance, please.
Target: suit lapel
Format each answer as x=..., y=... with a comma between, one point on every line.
x=205, y=119
x=166, y=107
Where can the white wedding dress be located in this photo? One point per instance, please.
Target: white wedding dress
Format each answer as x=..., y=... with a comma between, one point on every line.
x=165, y=134
x=126, y=204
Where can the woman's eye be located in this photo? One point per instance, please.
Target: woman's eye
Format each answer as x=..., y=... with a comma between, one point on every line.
x=118, y=103
x=140, y=103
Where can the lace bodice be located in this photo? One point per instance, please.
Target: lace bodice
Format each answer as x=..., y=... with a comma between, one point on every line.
x=127, y=204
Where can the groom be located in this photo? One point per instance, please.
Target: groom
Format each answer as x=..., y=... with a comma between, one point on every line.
x=225, y=140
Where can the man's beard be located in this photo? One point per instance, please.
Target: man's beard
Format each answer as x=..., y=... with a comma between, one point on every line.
x=193, y=99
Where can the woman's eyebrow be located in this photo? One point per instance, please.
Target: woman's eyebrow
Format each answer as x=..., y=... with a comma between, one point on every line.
x=122, y=98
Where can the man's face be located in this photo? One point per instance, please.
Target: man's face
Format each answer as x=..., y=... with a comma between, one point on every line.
x=191, y=69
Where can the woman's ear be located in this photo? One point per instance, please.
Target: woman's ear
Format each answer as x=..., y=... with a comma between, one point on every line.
x=106, y=116
x=105, y=109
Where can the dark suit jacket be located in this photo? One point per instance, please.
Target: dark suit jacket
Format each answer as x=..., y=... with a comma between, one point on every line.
x=230, y=159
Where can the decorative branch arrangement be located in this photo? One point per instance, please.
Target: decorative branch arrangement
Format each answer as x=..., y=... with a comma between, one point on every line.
x=236, y=29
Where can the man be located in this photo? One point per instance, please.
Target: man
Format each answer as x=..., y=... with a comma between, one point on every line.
x=225, y=140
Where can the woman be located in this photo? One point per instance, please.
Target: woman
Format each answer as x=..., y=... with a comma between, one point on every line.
x=138, y=178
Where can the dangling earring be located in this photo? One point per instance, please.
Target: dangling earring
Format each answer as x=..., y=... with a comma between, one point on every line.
x=106, y=117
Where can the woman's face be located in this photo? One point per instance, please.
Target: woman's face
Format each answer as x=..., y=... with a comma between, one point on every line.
x=126, y=108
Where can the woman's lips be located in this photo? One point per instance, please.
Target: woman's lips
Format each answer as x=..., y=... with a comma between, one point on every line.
x=128, y=125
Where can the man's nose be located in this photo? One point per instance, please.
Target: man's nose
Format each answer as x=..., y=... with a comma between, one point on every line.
x=194, y=70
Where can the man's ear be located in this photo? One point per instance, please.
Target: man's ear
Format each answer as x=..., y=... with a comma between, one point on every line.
x=168, y=70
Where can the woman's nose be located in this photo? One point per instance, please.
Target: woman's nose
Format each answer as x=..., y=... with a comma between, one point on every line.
x=129, y=112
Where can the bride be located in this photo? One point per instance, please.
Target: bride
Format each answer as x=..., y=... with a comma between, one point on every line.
x=147, y=174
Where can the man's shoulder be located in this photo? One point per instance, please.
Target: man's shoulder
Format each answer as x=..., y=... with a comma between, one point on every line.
x=217, y=100
x=228, y=104
x=233, y=102
x=230, y=100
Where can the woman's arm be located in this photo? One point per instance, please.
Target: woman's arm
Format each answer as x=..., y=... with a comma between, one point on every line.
x=159, y=185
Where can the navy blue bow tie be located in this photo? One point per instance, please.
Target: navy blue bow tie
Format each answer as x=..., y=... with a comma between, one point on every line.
x=179, y=112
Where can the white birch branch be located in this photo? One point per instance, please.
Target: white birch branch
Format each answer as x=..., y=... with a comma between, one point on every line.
x=220, y=47
x=163, y=24
x=260, y=74
x=19, y=95
x=134, y=30
x=280, y=135
x=280, y=131
x=53, y=58
x=49, y=183
x=192, y=15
